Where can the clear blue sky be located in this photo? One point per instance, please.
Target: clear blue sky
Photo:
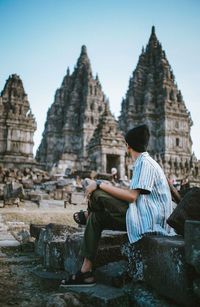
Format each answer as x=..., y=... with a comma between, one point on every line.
x=41, y=38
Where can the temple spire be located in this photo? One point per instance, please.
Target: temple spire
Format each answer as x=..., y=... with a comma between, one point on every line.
x=83, y=50
x=83, y=60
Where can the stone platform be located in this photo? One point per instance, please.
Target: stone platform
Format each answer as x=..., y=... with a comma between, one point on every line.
x=59, y=246
x=155, y=271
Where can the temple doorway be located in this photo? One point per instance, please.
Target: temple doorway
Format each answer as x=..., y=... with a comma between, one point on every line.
x=112, y=161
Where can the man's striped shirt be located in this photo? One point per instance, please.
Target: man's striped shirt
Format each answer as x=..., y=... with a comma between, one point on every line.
x=154, y=205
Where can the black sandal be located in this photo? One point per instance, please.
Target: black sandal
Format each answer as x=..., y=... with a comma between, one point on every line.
x=79, y=280
x=79, y=217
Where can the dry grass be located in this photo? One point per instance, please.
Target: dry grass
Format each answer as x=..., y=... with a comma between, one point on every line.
x=32, y=214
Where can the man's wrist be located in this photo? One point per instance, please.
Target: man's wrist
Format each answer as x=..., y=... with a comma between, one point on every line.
x=98, y=183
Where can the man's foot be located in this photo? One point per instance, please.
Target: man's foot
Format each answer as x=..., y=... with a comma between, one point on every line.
x=79, y=280
x=81, y=217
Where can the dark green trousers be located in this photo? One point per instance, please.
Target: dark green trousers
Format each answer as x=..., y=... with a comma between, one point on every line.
x=105, y=212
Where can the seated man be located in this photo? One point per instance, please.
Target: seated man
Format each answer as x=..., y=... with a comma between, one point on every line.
x=142, y=209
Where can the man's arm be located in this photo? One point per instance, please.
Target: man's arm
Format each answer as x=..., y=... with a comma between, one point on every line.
x=127, y=195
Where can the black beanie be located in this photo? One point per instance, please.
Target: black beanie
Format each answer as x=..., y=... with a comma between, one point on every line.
x=138, y=138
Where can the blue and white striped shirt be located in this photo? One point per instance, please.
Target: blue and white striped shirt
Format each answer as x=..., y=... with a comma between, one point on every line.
x=151, y=210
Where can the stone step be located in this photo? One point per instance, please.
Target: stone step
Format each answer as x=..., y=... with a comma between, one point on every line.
x=142, y=296
x=101, y=295
x=160, y=262
x=9, y=245
x=49, y=280
x=63, y=255
x=113, y=274
x=59, y=246
x=20, y=260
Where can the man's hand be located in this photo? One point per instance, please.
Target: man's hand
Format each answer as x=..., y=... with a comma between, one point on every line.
x=90, y=188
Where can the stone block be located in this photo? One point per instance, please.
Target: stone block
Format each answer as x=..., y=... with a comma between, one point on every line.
x=72, y=261
x=13, y=190
x=77, y=198
x=40, y=243
x=59, y=231
x=49, y=280
x=35, y=230
x=64, y=182
x=59, y=245
x=192, y=243
x=54, y=255
x=35, y=196
x=28, y=184
x=114, y=237
x=108, y=251
x=196, y=287
x=160, y=262
x=50, y=186
x=143, y=296
x=113, y=274
x=44, y=234
x=101, y=296
x=45, y=196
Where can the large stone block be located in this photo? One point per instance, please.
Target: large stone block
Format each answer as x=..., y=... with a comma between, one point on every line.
x=101, y=295
x=45, y=234
x=35, y=230
x=160, y=262
x=59, y=245
x=108, y=251
x=54, y=255
x=72, y=260
x=192, y=243
x=113, y=274
x=77, y=198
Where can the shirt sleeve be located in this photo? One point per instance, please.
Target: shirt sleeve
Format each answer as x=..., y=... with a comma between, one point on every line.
x=143, y=177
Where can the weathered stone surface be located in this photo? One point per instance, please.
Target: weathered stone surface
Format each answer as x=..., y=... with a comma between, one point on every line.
x=35, y=230
x=35, y=196
x=113, y=274
x=13, y=193
x=72, y=260
x=49, y=280
x=192, y=243
x=160, y=262
x=102, y=295
x=76, y=198
x=60, y=231
x=40, y=243
x=45, y=234
x=140, y=295
x=196, y=287
x=64, y=300
x=54, y=255
x=60, y=244
x=50, y=186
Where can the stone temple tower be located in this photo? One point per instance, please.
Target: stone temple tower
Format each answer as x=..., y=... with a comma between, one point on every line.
x=106, y=149
x=72, y=118
x=17, y=125
x=154, y=98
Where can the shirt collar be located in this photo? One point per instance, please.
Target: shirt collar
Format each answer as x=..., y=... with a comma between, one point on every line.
x=143, y=154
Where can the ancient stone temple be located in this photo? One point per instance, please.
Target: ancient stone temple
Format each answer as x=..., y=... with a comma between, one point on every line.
x=154, y=98
x=106, y=149
x=72, y=119
x=17, y=125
